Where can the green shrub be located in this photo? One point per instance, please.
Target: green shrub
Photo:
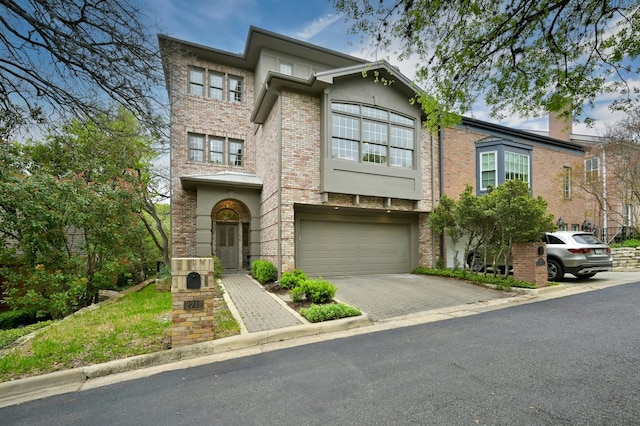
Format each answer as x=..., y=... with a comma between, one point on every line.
x=264, y=271
x=628, y=243
x=297, y=294
x=319, y=290
x=329, y=311
x=218, y=269
x=293, y=279
x=16, y=318
x=501, y=283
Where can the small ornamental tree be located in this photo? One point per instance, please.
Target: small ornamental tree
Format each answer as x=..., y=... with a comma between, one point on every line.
x=492, y=223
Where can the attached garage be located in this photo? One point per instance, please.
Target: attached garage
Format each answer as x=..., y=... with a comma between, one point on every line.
x=335, y=244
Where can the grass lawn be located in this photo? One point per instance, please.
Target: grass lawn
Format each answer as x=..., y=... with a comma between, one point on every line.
x=137, y=323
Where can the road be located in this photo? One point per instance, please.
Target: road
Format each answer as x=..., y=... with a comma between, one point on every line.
x=566, y=361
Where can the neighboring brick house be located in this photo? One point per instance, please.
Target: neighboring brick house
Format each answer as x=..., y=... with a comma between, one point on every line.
x=287, y=153
x=310, y=159
x=610, y=206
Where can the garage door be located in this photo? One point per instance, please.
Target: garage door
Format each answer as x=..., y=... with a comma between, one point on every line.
x=334, y=248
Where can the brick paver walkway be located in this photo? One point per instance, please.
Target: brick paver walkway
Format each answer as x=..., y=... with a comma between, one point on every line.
x=258, y=310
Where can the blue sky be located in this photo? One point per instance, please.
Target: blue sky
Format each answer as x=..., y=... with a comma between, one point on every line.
x=224, y=24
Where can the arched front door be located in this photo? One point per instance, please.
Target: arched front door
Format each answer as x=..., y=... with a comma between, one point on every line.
x=230, y=229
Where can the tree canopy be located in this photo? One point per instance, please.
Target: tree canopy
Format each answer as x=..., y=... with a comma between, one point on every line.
x=74, y=58
x=528, y=57
x=73, y=214
x=491, y=224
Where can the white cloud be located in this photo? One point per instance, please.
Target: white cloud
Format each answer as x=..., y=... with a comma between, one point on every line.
x=317, y=26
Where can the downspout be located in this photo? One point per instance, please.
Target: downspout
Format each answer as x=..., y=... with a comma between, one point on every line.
x=279, y=155
x=605, y=220
x=441, y=175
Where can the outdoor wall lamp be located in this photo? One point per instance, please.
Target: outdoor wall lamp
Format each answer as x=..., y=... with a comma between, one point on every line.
x=560, y=222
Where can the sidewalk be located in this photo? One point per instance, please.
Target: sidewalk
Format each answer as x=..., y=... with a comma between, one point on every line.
x=256, y=308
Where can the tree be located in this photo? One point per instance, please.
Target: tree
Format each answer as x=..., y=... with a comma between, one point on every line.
x=74, y=58
x=623, y=158
x=525, y=56
x=492, y=223
x=71, y=211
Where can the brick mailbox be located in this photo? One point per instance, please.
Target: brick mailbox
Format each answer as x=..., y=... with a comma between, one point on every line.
x=530, y=263
x=192, y=293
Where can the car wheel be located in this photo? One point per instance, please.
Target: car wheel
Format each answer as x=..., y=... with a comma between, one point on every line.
x=474, y=261
x=554, y=270
x=585, y=276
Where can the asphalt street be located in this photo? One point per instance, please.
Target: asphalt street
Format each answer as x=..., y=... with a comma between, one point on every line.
x=567, y=361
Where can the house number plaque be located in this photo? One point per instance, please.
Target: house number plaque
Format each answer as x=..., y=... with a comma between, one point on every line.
x=190, y=305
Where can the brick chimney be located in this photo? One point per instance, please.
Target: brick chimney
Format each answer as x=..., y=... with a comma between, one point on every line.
x=559, y=128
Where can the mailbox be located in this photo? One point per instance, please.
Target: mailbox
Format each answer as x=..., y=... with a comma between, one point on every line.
x=194, y=282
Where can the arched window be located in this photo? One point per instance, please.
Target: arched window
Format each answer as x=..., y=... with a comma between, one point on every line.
x=227, y=215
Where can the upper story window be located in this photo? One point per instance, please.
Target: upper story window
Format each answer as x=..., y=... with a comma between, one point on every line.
x=628, y=215
x=286, y=68
x=592, y=169
x=224, y=151
x=235, y=89
x=370, y=134
x=215, y=85
x=196, y=147
x=196, y=82
x=499, y=161
x=488, y=170
x=566, y=183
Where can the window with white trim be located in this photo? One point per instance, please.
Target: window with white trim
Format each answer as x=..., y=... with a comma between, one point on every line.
x=516, y=166
x=566, y=183
x=488, y=170
x=592, y=169
x=499, y=161
x=628, y=215
x=369, y=134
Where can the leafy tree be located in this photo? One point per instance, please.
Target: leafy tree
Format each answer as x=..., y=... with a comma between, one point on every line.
x=71, y=210
x=524, y=56
x=518, y=218
x=492, y=223
x=73, y=59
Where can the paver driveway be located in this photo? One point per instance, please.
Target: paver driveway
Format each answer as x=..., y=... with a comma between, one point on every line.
x=393, y=295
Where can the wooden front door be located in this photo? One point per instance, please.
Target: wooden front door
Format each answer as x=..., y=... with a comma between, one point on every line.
x=227, y=236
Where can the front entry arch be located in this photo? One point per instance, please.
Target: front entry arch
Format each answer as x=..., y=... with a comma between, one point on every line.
x=230, y=234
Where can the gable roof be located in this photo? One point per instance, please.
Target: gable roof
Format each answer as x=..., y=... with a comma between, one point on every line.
x=319, y=81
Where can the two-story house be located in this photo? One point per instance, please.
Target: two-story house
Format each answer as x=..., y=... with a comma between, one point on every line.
x=314, y=159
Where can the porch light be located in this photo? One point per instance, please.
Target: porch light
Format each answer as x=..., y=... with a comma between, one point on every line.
x=560, y=222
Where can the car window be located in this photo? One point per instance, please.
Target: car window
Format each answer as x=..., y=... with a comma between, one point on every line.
x=552, y=239
x=586, y=239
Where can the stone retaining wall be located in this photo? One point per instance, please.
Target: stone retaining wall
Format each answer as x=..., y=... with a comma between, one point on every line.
x=626, y=258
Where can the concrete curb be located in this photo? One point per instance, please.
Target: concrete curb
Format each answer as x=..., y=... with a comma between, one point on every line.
x=18, y=391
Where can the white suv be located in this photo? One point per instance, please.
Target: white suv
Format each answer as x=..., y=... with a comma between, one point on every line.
x=577, y=253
